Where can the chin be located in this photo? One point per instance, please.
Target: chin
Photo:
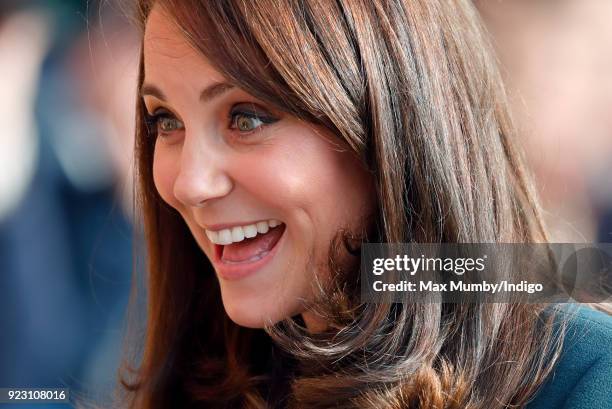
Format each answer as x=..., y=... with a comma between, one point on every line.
x=252, y=314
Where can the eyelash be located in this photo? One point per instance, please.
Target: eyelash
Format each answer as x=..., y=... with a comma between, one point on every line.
x=152, y=121
x=236, y=112
x=254, y=113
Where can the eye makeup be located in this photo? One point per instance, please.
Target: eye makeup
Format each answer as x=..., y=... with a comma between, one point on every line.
x=244, y=118
x=247, y=117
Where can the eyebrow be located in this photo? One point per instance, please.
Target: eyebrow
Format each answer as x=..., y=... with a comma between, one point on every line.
x=209, y=93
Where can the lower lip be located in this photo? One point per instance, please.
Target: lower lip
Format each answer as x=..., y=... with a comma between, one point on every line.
x=237, y=271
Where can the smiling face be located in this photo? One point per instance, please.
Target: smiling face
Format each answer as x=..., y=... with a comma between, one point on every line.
x=262, y=192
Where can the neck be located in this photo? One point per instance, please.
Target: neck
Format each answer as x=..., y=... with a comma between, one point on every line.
x=314, y=323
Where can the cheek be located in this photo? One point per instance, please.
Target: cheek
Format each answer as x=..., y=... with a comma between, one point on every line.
x=280, y=175
x=307, y=179
x=165, y=170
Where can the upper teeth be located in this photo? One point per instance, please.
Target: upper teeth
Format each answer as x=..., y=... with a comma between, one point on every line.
x=239, y=233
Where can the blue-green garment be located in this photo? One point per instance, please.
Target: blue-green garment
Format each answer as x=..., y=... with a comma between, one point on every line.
x=582, y=378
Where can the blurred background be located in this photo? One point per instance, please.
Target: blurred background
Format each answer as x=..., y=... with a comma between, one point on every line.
x=68, y=82
x=556, y=56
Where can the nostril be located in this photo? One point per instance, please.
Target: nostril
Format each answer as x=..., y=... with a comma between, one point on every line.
x=201, y=203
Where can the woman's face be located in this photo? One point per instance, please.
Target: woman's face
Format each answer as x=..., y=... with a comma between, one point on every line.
x=262, y=192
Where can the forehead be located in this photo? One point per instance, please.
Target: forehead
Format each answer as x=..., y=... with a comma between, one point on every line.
x=167, y=53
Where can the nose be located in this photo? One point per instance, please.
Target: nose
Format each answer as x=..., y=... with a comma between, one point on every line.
x=201, y=176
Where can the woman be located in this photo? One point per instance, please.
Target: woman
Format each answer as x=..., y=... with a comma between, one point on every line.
x=275, y=137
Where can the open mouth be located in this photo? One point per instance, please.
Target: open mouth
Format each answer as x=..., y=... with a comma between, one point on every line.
x=249, y=249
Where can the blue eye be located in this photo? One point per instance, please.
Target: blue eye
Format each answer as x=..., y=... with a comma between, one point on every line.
x=163, y=123
x=246, y=118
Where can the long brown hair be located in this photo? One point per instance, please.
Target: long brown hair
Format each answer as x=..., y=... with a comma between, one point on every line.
x=412, y=88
